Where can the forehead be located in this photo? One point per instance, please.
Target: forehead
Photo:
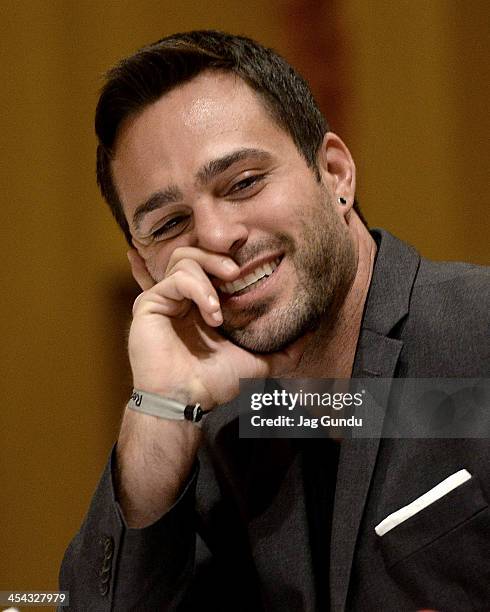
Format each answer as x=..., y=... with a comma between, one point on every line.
x=193, y=123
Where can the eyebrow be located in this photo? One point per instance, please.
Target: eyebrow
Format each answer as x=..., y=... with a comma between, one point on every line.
x=156, y=200
x=207, y=173
x=217, y=166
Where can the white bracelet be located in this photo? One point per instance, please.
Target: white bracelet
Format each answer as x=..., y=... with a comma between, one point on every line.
x=164, y=408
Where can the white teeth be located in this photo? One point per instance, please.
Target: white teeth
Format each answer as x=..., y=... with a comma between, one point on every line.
x=227, y=287
x=265, y=270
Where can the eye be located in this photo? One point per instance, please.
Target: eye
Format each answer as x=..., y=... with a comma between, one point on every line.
x=248, y=184
x=172, y=227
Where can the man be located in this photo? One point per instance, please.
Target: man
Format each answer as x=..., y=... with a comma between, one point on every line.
x=255, y=262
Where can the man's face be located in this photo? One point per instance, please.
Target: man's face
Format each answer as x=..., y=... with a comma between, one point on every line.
x=206, y=166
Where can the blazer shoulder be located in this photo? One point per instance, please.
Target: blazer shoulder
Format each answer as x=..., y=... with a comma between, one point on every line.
x=452, y=289
x=455, y=272
x=446, y=332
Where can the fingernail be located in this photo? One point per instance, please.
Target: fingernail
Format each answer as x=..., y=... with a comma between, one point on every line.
x=230, y=265
x=217, y=316
x=213, y=301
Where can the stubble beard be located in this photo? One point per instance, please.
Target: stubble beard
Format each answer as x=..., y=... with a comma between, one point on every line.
x=324, y=261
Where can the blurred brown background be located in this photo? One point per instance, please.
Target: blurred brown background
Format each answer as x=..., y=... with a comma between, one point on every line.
x=405, y=83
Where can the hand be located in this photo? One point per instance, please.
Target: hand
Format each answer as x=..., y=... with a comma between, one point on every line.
x=174, y=347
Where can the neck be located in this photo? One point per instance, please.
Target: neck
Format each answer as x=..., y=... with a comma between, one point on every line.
x=331, y=350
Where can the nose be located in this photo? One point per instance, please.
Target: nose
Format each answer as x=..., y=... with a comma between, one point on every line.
x=219, y=227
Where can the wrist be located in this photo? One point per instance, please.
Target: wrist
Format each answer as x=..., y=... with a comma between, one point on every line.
x=190, y=393
x=181, y=395
x=165, y=408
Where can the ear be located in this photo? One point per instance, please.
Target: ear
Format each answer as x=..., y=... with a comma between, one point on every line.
x=338, y=171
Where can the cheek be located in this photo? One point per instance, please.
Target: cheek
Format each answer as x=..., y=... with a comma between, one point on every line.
x=155, y=261
x=153, y=270
x=287, y=218
x=292, y=201
x=273, y=211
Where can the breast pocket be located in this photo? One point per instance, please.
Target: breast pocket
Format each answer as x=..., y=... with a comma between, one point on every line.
x=441, y=555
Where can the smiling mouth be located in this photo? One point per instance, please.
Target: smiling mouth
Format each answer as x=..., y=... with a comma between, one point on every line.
x=252, y=280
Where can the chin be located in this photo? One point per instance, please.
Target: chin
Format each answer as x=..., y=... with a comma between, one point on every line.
x=261, y=344
x=265, y=336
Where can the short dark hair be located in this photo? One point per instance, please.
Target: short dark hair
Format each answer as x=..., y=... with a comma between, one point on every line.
x=143, y=78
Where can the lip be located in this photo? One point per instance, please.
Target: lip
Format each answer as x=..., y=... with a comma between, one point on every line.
x=257, y=263
x=255, y=293
x=249, y=267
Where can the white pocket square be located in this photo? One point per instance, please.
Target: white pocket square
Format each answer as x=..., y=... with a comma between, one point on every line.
x=443, y=488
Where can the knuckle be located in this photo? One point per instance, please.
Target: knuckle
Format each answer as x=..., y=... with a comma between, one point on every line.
x=188, y=255
x=178, y=254
x=179, y=276
x=182, y=265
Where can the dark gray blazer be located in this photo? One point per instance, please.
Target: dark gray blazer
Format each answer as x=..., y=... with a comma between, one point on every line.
x=246, y=499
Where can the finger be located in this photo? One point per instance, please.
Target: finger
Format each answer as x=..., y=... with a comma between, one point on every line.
x=196, y=287
x=188, y=269
x=139, y=270
x=150, y=302
x=173, y=295
x=217, y=264
x=193, y=268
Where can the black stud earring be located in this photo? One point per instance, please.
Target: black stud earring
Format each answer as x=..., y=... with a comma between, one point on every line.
x=342, y=201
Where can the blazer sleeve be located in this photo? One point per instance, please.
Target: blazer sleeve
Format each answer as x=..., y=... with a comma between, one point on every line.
x=109, y=566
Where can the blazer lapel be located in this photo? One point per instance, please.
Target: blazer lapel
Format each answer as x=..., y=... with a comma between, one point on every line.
x=377, y=355
x=356, y=467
